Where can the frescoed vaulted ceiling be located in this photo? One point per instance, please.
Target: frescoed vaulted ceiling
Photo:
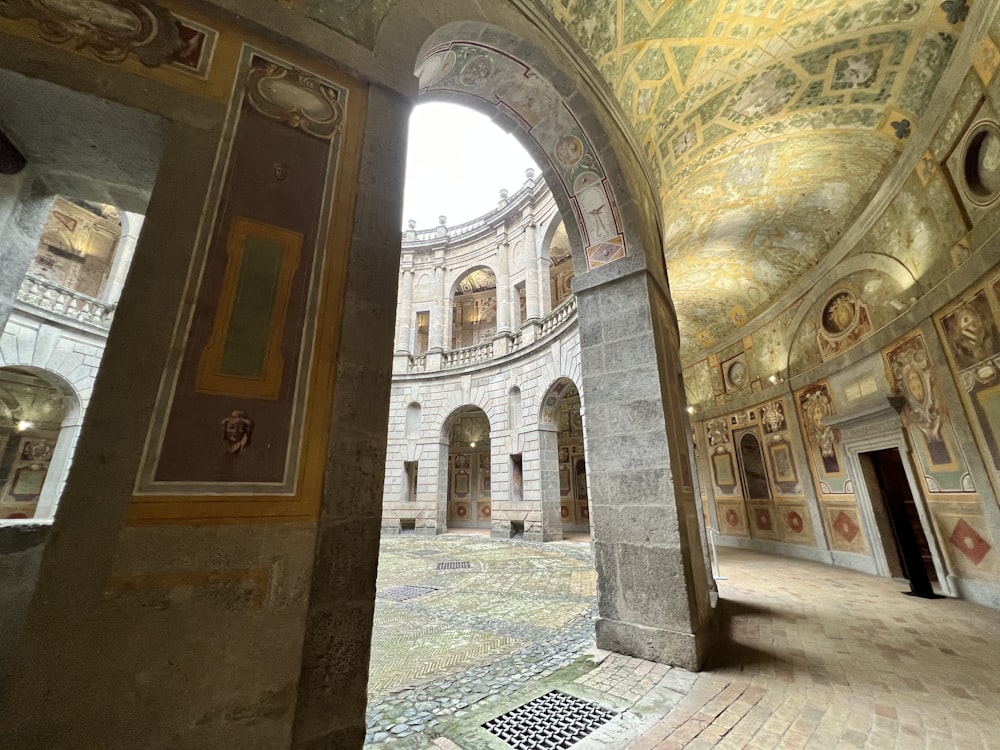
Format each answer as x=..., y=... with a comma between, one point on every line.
x=769, y=121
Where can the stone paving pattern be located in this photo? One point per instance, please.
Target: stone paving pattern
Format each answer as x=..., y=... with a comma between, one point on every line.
x=815, y=657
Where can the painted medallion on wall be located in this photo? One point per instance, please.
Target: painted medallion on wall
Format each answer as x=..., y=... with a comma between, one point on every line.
x=736, y=374
x=844, y=322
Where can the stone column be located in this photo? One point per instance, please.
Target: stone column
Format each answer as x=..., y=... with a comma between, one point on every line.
x=503, y=283
x=544, y=263
x=443, y=448
x=19, y=238
x=332, y=690
x=404, y=310
x=532, y=295
x=653, y=594
x=438, y=321
x=132, y=223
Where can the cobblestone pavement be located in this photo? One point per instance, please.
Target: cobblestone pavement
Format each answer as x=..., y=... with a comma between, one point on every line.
x=517, y=613
x=812, y=657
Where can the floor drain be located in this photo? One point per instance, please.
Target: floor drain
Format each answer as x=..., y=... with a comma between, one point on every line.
x=551, y=722
x=453, y=565
x=407, y=531
x=424, y=552
x=402, y=593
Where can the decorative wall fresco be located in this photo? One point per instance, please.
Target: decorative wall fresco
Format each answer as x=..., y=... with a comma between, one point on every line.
x=969, y=544
x=933, y=438
x=815, y=405
x=113, y=30
x=110, y=30
x=758, y=495
x=357, y=20
x=237, y=399
x=496, y=77
x=970, y=330
x=785, y=479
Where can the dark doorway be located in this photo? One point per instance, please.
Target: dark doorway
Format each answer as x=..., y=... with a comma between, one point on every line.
x=900, y=510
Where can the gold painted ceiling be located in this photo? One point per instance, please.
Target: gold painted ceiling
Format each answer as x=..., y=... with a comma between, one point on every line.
x=769, y=122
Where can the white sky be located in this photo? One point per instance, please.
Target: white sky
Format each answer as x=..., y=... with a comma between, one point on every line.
x=457, y=162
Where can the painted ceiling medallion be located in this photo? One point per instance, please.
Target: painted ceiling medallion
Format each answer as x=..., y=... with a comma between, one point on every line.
x=108, y=29
x=295, y=98
x=840, y=314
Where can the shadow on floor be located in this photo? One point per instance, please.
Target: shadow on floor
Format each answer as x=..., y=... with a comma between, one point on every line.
x=729, y=653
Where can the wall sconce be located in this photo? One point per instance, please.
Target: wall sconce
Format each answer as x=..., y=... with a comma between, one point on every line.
x=472, y=444
x=24, y=424
x=690, y=410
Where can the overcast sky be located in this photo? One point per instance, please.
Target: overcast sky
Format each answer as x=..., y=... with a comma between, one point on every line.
x=457, y=162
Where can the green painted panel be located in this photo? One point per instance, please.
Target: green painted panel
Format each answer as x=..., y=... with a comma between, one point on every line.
x=245, y=352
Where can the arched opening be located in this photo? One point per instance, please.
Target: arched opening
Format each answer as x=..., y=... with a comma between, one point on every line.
x=39, y=418
x=561, y=266
x=474, y=309
x=469, y=469
x=574, y=510
x=62, y=314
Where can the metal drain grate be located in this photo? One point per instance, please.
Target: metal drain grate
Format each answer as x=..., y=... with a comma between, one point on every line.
x=407, y=531
x=402, y=593
x=551, y=722
x=453, y=565
x=424, y=552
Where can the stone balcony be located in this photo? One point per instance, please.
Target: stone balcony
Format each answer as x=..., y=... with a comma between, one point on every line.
x=61, y=304
x=503, y=346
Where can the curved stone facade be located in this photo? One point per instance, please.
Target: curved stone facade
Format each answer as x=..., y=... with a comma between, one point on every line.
x=534, y=356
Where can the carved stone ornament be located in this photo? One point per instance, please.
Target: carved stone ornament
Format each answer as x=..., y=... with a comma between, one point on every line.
x=773, y=416
x=295, y=98
x=108, y=29
x=816, y=406
x=911, y=373
x=237, y=432
x=717, y=432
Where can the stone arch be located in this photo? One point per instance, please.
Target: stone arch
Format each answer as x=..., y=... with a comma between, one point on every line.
x=61, y=456
x=469, y=502
x=459, y=275
x=457, y=399
x=559, y=112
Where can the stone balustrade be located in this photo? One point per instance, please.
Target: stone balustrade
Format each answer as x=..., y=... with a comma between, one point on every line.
x=471, y=355
x=46, y=295
x=561, y=314
x=468, y=355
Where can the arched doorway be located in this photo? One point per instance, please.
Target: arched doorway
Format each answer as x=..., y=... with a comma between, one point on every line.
x=37, y=436
x=574, y=509
x=469, y=469
x=474, y=309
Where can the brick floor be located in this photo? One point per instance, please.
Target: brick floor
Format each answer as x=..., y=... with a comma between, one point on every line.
x=821, y=657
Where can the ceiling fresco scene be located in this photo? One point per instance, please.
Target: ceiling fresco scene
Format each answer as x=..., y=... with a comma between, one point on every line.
x=769, y=125
x=769, y=122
